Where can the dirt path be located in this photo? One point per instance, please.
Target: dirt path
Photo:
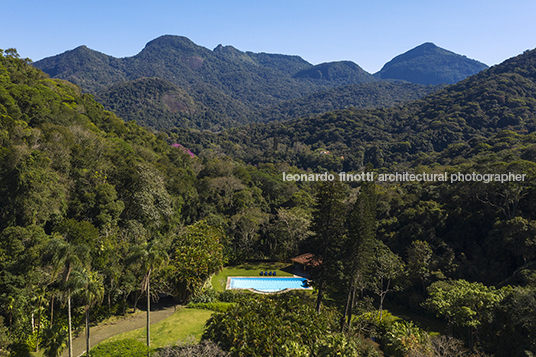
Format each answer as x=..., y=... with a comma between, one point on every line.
x=100, y=333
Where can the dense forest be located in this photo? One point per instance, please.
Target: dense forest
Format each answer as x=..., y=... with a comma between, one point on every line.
x=98, y=214
x=449, y=121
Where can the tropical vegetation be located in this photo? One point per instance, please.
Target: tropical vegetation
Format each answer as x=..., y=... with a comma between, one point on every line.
x=99, y=216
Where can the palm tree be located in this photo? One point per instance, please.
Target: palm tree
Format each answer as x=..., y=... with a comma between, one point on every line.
x=149, y=257
x=65, y=257
x=54, y=340
x=41, y=300
x=91, y=288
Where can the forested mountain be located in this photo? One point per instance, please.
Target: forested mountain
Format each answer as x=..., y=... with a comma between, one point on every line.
x=337, y=73
x=235, y=87
x=502, y=97
x=366, y=95
x=226, y=80
x=85, y=67
x=159, y=104
x=430, y=64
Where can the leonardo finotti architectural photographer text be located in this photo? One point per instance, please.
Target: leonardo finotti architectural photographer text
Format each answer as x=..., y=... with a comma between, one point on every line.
x=407, y=177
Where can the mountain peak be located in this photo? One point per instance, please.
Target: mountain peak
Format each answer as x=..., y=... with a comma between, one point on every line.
x=427, y=45
x=343, y=72
x=81, y=48
x=430, y=64
x=222, y=48
x=171, y=42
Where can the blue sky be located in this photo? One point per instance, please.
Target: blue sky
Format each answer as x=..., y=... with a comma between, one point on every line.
x=369, y=33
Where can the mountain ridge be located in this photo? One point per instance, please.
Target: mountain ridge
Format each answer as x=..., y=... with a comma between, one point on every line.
x=458, y=120
x=236, y=84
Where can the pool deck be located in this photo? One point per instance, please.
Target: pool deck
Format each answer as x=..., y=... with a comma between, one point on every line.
x=228, y=285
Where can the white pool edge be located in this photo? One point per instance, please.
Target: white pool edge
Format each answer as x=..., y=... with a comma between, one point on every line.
x=228, y=284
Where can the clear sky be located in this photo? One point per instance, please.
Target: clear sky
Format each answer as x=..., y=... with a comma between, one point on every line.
x=370, y=33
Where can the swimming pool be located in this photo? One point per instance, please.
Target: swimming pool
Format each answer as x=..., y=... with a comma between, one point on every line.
x=267, y=285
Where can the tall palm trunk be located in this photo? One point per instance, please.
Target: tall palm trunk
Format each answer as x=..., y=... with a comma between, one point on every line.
x=148, y=311
x=70, y=329
x=351, y=310
x=319, y=297
x=346, y=318
x=346, y=308
x=87, y=331
x=52, y=310
x=38, y=326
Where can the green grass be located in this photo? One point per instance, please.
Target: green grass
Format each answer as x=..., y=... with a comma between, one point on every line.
x=247, y=269
x=183, y=323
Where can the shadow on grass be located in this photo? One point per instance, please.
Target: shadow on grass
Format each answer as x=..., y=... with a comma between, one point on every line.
x=162, y=304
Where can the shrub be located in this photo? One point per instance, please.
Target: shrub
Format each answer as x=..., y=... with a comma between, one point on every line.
x=279, y=325
x=262, y=326
x=344, y=346
x=206, y=296
x=214, y=306
x=403, y=337
x=234, y=296
x=189, y=348
x=54, y=340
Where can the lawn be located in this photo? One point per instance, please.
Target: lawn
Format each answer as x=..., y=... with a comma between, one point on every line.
x=183, y=323
x=248, y=269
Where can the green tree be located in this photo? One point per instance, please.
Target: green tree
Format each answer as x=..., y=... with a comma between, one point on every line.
x=22, y=281
x=386, y=268
x=357, y=250
x=54, y=340
x=149, y=201
x=91, y=290
x=464, y=304
x=518, y=235
x=65, y=257
x=406, y=339
x=246, y=226
x=505, y=197
x=37, y=194
x=281, y=325
x=329, y=216
x=289, y=229
x=149, y=257
x=197, y=254
x=419, y=260
x=41, y=300
x=512, y=330
x=4, y=339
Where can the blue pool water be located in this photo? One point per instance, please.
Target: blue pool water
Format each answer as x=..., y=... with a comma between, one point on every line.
x=268, y=285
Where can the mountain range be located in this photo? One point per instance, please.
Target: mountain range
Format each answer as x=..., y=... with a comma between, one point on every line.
x=227, y=87
x=480, y=115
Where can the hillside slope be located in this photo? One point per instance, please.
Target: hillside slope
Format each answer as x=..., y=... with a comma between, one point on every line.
x=500, y=98
x=365, y=95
